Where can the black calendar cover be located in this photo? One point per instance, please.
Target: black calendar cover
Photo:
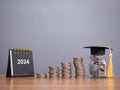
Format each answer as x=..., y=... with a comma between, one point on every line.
x=20, y=63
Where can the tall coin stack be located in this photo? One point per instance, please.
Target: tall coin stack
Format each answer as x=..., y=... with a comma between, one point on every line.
x=79, y=67
x=53, y=72
x=66, y=70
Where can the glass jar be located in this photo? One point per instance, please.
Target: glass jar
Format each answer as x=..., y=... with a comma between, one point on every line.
x=97, y=66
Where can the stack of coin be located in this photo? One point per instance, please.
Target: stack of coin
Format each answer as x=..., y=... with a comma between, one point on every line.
x=41, y=75
x=66, y=70
x=79, y=67
x=53, y=72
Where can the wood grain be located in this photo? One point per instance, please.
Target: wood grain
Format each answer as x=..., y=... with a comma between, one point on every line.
x=33, y=83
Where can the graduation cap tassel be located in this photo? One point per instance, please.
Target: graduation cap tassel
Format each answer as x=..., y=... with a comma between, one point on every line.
x=110, y=65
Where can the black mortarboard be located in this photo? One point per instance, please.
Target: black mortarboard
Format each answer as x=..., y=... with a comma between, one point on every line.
x=98, y=50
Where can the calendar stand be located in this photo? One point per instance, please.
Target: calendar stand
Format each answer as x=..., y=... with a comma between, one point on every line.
x=20, y=63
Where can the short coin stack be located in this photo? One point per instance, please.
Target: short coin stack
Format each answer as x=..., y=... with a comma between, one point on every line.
x=54, y=72
x=41, y=75
x=79, y=67
x=66, y=70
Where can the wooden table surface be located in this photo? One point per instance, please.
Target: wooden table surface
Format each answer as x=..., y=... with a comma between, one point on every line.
x=33, y=83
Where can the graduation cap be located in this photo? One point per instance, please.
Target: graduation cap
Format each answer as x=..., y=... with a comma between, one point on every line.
x=100, y=50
